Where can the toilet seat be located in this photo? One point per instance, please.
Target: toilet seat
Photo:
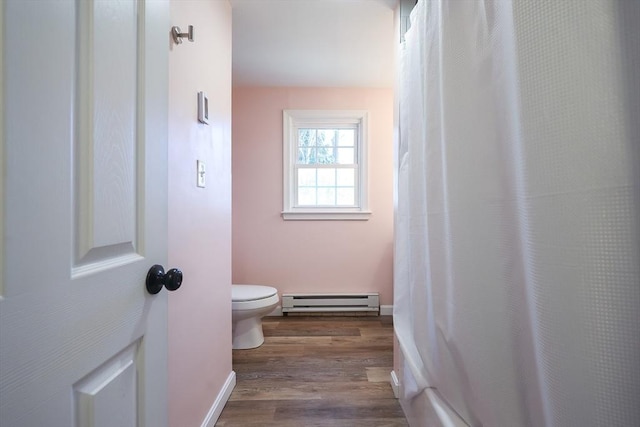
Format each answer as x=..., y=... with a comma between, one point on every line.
x=249, y=297
x=251, y=292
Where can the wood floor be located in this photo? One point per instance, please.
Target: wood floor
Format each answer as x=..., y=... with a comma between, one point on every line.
x=316, y=372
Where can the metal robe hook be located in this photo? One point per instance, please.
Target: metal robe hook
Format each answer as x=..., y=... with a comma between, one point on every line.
x=178, y=36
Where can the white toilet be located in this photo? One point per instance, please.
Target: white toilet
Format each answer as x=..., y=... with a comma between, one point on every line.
x=250, y=303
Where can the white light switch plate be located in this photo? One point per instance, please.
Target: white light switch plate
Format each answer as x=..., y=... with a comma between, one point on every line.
x=201, y=169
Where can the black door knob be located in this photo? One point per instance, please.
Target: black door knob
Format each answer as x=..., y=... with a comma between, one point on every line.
x=157, y=278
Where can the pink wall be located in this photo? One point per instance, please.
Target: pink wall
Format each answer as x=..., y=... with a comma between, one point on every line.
x=199, y=218
x=308, y=256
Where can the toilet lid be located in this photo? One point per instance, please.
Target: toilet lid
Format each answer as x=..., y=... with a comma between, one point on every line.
x=251, y=292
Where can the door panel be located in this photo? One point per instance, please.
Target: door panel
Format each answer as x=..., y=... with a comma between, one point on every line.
x=85, y=134
x=112, y=385
x=107, y=138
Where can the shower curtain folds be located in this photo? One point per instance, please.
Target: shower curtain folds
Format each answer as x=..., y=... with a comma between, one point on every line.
x=517, y=272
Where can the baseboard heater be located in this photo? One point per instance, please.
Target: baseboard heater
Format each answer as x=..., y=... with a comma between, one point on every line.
x=306, y=303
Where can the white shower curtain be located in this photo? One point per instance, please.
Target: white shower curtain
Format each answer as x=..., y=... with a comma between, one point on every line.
x=517, y=255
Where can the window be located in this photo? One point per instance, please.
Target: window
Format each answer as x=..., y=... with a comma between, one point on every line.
x=325, y=165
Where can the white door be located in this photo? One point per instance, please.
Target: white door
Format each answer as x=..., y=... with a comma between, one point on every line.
x=83, y=145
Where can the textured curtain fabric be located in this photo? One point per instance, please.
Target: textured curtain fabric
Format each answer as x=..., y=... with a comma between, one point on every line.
x=517, y=254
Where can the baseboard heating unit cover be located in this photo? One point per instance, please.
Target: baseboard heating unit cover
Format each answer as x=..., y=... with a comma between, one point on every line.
x=308, y=303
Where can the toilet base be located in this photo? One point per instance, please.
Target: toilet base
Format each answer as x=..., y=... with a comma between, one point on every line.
x=247, y=333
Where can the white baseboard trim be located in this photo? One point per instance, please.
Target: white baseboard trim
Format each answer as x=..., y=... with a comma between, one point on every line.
x=395, y=384
x=217, y=407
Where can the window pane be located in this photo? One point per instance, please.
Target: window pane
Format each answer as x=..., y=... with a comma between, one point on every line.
x=307, y=177
x=326, y=137
x=345, y=156
x=346, y=137
x=346, y=197
x=325, y=155
x=346, y=178
x=325, y=142
x=306, y=155
x=327, y=196
x=306, y=196
x=326, y=177
x=306, y=137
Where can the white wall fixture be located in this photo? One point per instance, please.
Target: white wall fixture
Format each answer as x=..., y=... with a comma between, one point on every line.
x=203, y=108
x=201, y=169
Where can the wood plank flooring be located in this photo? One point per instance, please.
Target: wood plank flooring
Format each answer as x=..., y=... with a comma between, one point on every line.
x=316, y=371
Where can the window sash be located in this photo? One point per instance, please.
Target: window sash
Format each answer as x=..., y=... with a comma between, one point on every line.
x=335, y=147
x=297, y=165
x=355, y=186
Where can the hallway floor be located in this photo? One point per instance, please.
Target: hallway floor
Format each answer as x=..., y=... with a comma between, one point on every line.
x=316, y=372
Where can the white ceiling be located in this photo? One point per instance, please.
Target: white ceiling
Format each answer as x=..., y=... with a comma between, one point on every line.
x=326, y=43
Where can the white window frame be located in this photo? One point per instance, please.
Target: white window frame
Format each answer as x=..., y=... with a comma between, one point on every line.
x=296, y=119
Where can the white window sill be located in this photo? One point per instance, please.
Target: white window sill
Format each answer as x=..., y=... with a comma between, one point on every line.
x=326, y=215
